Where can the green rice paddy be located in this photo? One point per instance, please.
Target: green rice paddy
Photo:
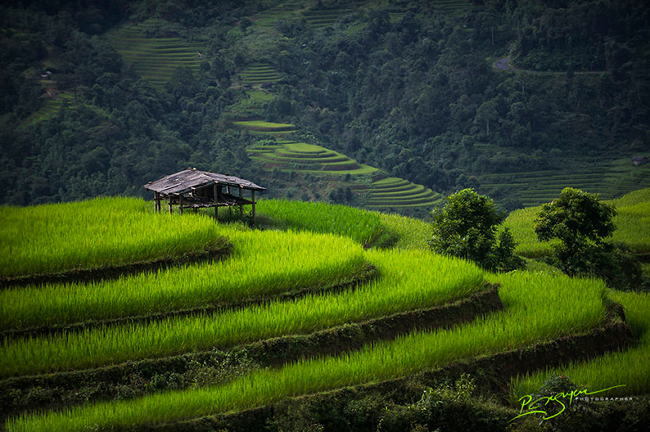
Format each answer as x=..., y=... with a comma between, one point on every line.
x=381, y=194
x=534, y=312
x=361, y=226
x=629, y=368
x=50, y=108
x=154, y=58
x=262, y=264
x=429, y=281
x=95, y=233
x=537, y=308
x=258, y=73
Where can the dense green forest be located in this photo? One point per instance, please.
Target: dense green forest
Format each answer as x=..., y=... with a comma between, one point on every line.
x=408, y=87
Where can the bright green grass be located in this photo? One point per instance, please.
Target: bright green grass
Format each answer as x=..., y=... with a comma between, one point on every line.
x=94, y=233
x=411, y=233
x=632, y=226
x=306, y=148
x=633, y=198
x=263, y=263
x=263, y=124
x=421, y=280
x=538, y=308
x=630, y=368
x=359, y=225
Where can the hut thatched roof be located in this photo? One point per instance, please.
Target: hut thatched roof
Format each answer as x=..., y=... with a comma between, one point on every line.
x=190, y=179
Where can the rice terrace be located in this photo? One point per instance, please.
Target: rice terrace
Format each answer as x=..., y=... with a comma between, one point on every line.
x=308, y=306
x=446, y=226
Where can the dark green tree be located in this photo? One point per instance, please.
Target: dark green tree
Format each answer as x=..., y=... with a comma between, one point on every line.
x=466, y=227
x=581, y=222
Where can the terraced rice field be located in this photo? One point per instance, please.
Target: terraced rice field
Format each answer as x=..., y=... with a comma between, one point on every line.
x=283, y=11
x=154, y=58
x=397, y=192
x=320, y=18
x=408, y=283
x=50, y=108
x=260, y=127
x=453, y=8
x=380, y=194
x=610, y=179
x=259, y=73
x=291, y=155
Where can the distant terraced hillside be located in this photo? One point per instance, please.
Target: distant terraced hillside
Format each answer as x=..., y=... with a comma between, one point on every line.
x=258, y=73
x=366, y=181
x=154, y=58
x=610, y=179
x=292, y=155
x=453, y=8
x=50, y=107
x=320, y=18
x=260, y=127
x=397, y=192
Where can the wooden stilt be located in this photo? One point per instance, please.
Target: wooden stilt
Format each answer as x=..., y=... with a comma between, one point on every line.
x=241, y=207
x=229, y=207
x=170, y=204
x=180, y=203
x=253, y=199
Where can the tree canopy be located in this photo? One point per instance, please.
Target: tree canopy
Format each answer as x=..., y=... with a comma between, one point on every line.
x=466, y=227
x=582, y=223
x=577, y=218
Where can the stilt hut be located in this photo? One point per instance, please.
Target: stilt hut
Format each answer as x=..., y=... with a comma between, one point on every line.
x=194, y=189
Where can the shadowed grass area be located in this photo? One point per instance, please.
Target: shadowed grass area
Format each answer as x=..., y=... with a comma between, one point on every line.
x=629, y=368
x=632, y=226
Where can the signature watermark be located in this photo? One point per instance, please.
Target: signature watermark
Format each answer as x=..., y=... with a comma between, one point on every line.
x=546, y=405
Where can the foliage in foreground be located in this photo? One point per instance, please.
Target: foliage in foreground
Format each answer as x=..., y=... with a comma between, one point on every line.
x=537, y=308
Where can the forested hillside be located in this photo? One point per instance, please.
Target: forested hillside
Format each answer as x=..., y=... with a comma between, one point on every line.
x=408, y=87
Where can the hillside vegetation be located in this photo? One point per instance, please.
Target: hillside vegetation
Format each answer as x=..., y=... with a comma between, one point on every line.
x=297, y=308
x=407, y=88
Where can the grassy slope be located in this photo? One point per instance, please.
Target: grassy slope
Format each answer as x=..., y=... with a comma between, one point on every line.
x=632, y=226
x=93, y=233
x=532, y=314
x=630, y=368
